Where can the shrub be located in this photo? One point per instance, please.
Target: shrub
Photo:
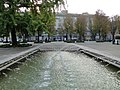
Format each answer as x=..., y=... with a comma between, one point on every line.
x=117, y=37
x=19, y=45
x=5, y=45
x=80, y=41
x=24, y=45
x=100, y=41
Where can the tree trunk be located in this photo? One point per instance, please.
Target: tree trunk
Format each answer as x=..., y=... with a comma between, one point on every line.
x=80, y=37
x=48, y=38
x=24, y=38
x=7, y=33
x=66, y=37
x=6, y=39
x=99, y=35
x=70, y=36
x=113, y=38
x=14, y=39
x=38, y=36
x=93, y=37
x=83, y=38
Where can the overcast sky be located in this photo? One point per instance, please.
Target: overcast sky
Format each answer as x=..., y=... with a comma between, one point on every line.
x=110, y=7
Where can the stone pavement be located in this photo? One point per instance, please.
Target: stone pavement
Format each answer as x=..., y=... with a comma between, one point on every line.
x=7, y=54
x=104, y=47
x=105, y=51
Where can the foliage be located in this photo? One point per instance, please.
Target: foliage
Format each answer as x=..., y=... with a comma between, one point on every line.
x=100, y=24
x=80, y=26
x=92, y=29
x=68, y=25
x=105, y=28
x=37, y=16
x=114, y=26
x=118, y=25
x=117, y=36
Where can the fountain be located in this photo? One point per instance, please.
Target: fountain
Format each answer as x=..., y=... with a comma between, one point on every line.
x=60, y=70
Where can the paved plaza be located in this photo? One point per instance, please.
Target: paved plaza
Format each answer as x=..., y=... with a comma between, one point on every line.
x=7, y=54
x=106, y=49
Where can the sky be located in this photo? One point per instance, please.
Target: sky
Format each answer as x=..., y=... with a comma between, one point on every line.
x=109, y=7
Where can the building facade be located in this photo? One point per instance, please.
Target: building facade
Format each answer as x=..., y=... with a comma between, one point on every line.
x=60, y=17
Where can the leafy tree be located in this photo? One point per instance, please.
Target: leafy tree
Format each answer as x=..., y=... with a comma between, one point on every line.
x=24, y=25
x=80, y=25
x=61, y=31
x=14, y=18
x=100, y=25
x=114, y=25
x=90, y=27
x=97, y=24
x=105, y=28
x=118, y=24
x=68, y=26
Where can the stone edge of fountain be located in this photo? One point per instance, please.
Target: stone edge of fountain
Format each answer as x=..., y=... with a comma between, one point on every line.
x=99, y=55
x=17, y=57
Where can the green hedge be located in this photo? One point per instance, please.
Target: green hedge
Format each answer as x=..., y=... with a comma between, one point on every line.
x=117, y=37
x=100, y=41
x=19, y=45
x=5, y=46
x=73, y=41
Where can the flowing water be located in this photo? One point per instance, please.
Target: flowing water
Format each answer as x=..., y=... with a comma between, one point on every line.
x=60, y=70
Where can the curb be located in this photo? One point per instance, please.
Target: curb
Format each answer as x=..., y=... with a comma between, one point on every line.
x=99, y=55
x=15, y=58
